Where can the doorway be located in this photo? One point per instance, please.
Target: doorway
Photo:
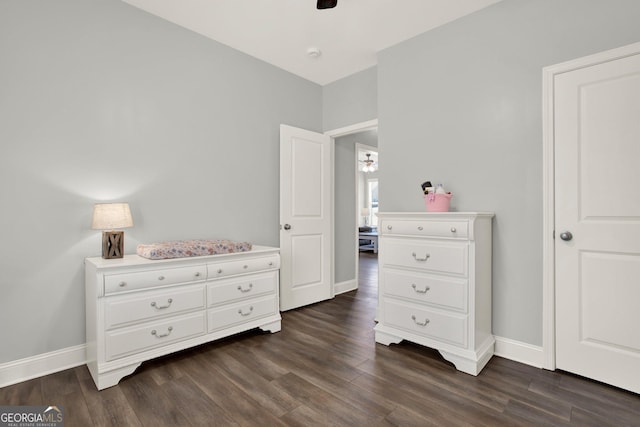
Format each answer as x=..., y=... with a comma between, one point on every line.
x=347, y=216
x=366, y=181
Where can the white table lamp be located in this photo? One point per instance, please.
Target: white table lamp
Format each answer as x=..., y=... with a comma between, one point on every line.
x=365, y=213
x=108, y=217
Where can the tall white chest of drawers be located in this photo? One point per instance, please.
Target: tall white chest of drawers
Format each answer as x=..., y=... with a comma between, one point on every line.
x=435, y=284
x=138, y=309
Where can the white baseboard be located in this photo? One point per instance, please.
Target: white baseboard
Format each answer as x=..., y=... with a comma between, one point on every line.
x=42, y=364
x=519, y=352
x=56, y=361
x=346, y=286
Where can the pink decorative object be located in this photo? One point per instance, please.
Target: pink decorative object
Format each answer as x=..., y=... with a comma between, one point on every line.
x=189, y=248
x=437, y=202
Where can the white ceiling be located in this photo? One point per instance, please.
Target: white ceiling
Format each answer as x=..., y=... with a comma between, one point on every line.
x=280, y=31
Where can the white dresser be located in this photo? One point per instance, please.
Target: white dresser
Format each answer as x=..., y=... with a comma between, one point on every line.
x=435, y=284
x=138, y=309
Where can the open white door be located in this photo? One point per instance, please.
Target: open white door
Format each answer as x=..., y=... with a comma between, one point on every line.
x=306, y=209
x=597, y=218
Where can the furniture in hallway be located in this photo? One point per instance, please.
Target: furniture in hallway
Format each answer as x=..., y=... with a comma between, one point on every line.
x=371, y=240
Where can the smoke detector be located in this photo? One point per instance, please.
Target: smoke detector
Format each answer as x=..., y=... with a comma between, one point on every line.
x=313, y=52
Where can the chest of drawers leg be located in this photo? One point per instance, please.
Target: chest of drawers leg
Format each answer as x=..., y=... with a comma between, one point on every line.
x=435, y=284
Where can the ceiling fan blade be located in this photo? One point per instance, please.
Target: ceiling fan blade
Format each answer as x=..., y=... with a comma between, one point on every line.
x=326, y=4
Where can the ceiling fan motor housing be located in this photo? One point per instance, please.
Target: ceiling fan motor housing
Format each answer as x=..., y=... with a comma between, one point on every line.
x=327, y=4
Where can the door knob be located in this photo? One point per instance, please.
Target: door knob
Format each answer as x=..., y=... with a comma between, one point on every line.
x=566, y=236
x=287, y=227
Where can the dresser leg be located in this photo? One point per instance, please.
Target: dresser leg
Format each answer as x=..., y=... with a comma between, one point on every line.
x=111, y=378
x=272, y=327
x=387, y=339
x=462, y=364
x=469, y=366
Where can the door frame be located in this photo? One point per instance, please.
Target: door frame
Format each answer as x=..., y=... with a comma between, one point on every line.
x=548, y=189
x=337, y=133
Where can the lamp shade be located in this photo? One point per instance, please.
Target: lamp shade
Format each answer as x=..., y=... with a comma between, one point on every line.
x=364, y=212
x=110, y=216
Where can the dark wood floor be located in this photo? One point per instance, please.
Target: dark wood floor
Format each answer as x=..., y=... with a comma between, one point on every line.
x=324, y=369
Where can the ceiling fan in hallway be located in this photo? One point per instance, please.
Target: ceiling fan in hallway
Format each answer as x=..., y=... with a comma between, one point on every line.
x=326, y=4
x=370, y=165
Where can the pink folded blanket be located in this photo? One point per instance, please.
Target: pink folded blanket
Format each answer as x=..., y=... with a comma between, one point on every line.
x=189, y=248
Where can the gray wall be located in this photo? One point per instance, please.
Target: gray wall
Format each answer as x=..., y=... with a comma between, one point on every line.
x=345, y=202
x=350, y=100
x=100, y=101
x=462, y=105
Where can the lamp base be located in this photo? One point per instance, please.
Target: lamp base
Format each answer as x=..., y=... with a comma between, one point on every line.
x=112, y=244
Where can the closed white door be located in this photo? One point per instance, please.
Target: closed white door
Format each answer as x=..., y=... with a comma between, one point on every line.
x=306, y=209
x=597, y=221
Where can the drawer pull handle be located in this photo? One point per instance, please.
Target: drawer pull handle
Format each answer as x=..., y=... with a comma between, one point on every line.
x=245, y=266
x=245, y=314
x=453, y=229
x=122, y=284
x=426, y=257
x=169, y=329
x=245, y=290
x=420, y=228
x=389, y=227
x=271, y=264
x=219, y=270
x=160, y=307
x=425, y=323
x=197, y=274
x=161, y=278
x=415, y=288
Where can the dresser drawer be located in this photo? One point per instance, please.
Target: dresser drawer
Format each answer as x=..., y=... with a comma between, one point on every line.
x=247, y=311
x=427, y=255
x=121, y=310
x=447, y=328
x=231, y=268
x=115, y=283
x=425, y=228
x=241, y=287
x=122, y=342
x=447, y=292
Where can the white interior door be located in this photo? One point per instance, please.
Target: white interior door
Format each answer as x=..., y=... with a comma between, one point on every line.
x=597, y=178
x=306, y=210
